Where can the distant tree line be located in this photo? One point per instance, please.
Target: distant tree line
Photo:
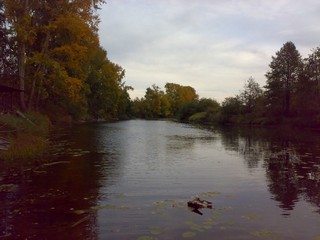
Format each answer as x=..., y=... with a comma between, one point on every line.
x=51, y=50
x=291, y=96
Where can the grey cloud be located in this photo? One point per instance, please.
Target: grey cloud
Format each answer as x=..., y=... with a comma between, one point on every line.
x=207, y=44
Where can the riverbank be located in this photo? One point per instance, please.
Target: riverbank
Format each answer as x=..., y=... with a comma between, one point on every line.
x=306, y=122
x=24, y=135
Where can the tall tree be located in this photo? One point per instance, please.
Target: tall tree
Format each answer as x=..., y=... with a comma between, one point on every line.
x=282, y=78
x=307, y=97
x=313, y=67
x=250, y=95
x=57, y=44
x=8, y=63
x=18, y=14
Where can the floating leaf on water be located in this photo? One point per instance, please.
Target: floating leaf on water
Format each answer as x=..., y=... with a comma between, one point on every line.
x=119, y=196
x=8, y=187
x=230, y=223
x=210, y=194
x=154, y=227
x=229, y=196
x=39, y=172
x=228, y=208
x=146, y=238
x=158, y=203
x=265, y=234
x=79, y=212
x=188, y=234
x=196, y=227
x=123, y=207
x=209, y=222
x=104, y=207
x=251, y=217
x=155, y=232
x=207, y=227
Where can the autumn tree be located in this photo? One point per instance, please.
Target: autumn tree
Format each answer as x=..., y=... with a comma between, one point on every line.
x=282, y=78
x=179, y=95
x=61, y=63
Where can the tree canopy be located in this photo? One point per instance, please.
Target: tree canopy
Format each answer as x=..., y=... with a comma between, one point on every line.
x=59, y=60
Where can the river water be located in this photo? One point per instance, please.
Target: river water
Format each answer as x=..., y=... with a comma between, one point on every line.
x=133, y=179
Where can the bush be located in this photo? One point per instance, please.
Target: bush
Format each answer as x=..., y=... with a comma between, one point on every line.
x=197, y=117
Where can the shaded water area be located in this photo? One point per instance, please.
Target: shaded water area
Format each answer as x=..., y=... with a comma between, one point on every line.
x=133, y=179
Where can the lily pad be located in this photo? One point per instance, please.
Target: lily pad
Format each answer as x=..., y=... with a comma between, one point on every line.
x=146, y=238
x=265, y=234
x=155, y=232
x=210, y=194
x=188, y=234
x=252, y=217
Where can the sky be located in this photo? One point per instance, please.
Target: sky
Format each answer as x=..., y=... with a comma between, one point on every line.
x=214, y=46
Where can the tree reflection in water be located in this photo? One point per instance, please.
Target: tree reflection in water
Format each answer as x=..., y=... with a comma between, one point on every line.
x=57, y=197
x=291, y=159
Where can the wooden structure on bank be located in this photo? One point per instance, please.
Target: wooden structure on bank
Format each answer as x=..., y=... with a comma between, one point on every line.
x=9, y=98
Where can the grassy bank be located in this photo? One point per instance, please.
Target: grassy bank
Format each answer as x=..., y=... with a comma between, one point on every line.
x=26, y=135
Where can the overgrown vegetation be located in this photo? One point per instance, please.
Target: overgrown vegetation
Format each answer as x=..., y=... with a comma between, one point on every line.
x=26, y=135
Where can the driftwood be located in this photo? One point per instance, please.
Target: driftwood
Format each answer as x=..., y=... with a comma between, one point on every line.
x=197, y=204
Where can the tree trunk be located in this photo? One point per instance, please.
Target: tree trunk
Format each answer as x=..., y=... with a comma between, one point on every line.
x=22, y=63
x=38, y=70
x=22, y=70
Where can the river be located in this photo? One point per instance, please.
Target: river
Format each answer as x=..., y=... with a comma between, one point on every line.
x=133, y=179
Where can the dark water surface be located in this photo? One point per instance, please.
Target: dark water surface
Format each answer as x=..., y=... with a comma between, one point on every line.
x=132, y=180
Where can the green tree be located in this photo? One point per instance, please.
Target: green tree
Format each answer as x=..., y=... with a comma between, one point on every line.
x=208, y=104
x=250, y=95
x=285, y=68
x=307, y=96
x=231, y=106
x=154, y=103
x=138, y=108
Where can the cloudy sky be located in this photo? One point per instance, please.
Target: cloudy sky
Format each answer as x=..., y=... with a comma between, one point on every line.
x=213, y=46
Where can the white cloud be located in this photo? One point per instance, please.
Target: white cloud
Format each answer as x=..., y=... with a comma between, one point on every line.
x=211, y=45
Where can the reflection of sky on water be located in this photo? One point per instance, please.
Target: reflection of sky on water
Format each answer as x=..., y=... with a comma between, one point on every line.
x=129, y=179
